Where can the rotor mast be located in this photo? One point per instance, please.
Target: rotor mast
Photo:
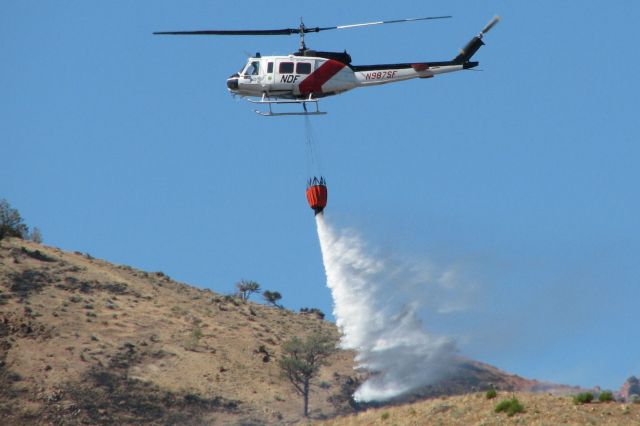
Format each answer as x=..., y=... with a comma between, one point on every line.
x=303, y=46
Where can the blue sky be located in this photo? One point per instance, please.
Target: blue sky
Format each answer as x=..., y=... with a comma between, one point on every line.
x=128, y=146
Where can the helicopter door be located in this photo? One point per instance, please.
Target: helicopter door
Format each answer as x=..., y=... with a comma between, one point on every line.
x=283, y=74
x=267, y=83
x=303, y=69
x=251, y=73
x=290, y=72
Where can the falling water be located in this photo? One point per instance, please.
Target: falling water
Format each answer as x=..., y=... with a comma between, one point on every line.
x=378, y=321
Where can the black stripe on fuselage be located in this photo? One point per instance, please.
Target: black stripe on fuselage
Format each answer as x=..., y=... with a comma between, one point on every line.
x=410, y=65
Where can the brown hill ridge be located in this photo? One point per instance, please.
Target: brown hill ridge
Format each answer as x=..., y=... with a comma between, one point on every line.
x=540, y=409
x=85, y=341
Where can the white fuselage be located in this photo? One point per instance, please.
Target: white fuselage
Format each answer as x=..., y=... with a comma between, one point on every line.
x=299, y=77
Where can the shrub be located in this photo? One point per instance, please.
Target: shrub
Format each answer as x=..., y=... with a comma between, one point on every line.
x=491, y=393
x=510, y=406
x=317, y=312
x=272, y=297
x=192, y=342
x=196, y=333
x=385, y=415
x=36, y=235
x=606, y=396
x=246, y=288
x=37, y=254
x=11, y=224
x=231, y=298
x=583, y=398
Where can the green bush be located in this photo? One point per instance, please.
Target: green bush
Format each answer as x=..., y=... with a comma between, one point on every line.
x=583, y=398
x=272, y=297
x=193, y=341
x=510, y=406
x=490, y=394
x=317, y=312
x=11, y=224
x=606, y=396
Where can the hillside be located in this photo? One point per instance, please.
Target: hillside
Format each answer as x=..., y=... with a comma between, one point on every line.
x=86, y=341
x=474, y=409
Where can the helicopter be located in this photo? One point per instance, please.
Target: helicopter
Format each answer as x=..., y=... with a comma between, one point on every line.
x=307, y=75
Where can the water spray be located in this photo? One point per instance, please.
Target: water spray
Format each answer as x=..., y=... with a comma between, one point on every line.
x=378, y=321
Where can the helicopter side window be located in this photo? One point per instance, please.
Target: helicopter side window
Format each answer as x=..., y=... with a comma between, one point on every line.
x=303, y=68
x=285, y=68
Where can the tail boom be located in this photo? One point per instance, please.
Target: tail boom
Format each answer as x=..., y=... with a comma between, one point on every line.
x=371, y=75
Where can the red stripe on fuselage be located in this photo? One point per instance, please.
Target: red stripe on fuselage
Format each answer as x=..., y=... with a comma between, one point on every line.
x=420, y=66
x=313, y=83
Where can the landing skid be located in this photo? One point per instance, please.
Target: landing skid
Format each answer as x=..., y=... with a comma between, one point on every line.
x=303, y=102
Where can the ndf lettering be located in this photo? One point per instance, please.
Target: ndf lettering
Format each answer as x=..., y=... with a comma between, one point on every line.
x=289, y=78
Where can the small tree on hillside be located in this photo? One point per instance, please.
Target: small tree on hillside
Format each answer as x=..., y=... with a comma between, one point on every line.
x=246, y=288
x=301, y=361
x=272, y=297
x=11, y=222
x=36, y=235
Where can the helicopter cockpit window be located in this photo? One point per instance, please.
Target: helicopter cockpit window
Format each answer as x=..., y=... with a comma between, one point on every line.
x=253, y=68
x=303, y=68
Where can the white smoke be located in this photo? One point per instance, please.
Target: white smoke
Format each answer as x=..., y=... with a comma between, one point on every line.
x=379, y=319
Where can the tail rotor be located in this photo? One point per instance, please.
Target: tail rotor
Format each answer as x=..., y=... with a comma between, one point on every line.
x=490, y=25
x=476, y=43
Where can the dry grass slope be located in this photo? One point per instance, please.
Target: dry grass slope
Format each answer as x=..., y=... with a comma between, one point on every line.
x=86, y=341
x=475, y=409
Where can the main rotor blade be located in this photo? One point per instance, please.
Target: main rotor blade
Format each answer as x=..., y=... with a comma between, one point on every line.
x=284, y=31
x=366, y=24
x=289, y=31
